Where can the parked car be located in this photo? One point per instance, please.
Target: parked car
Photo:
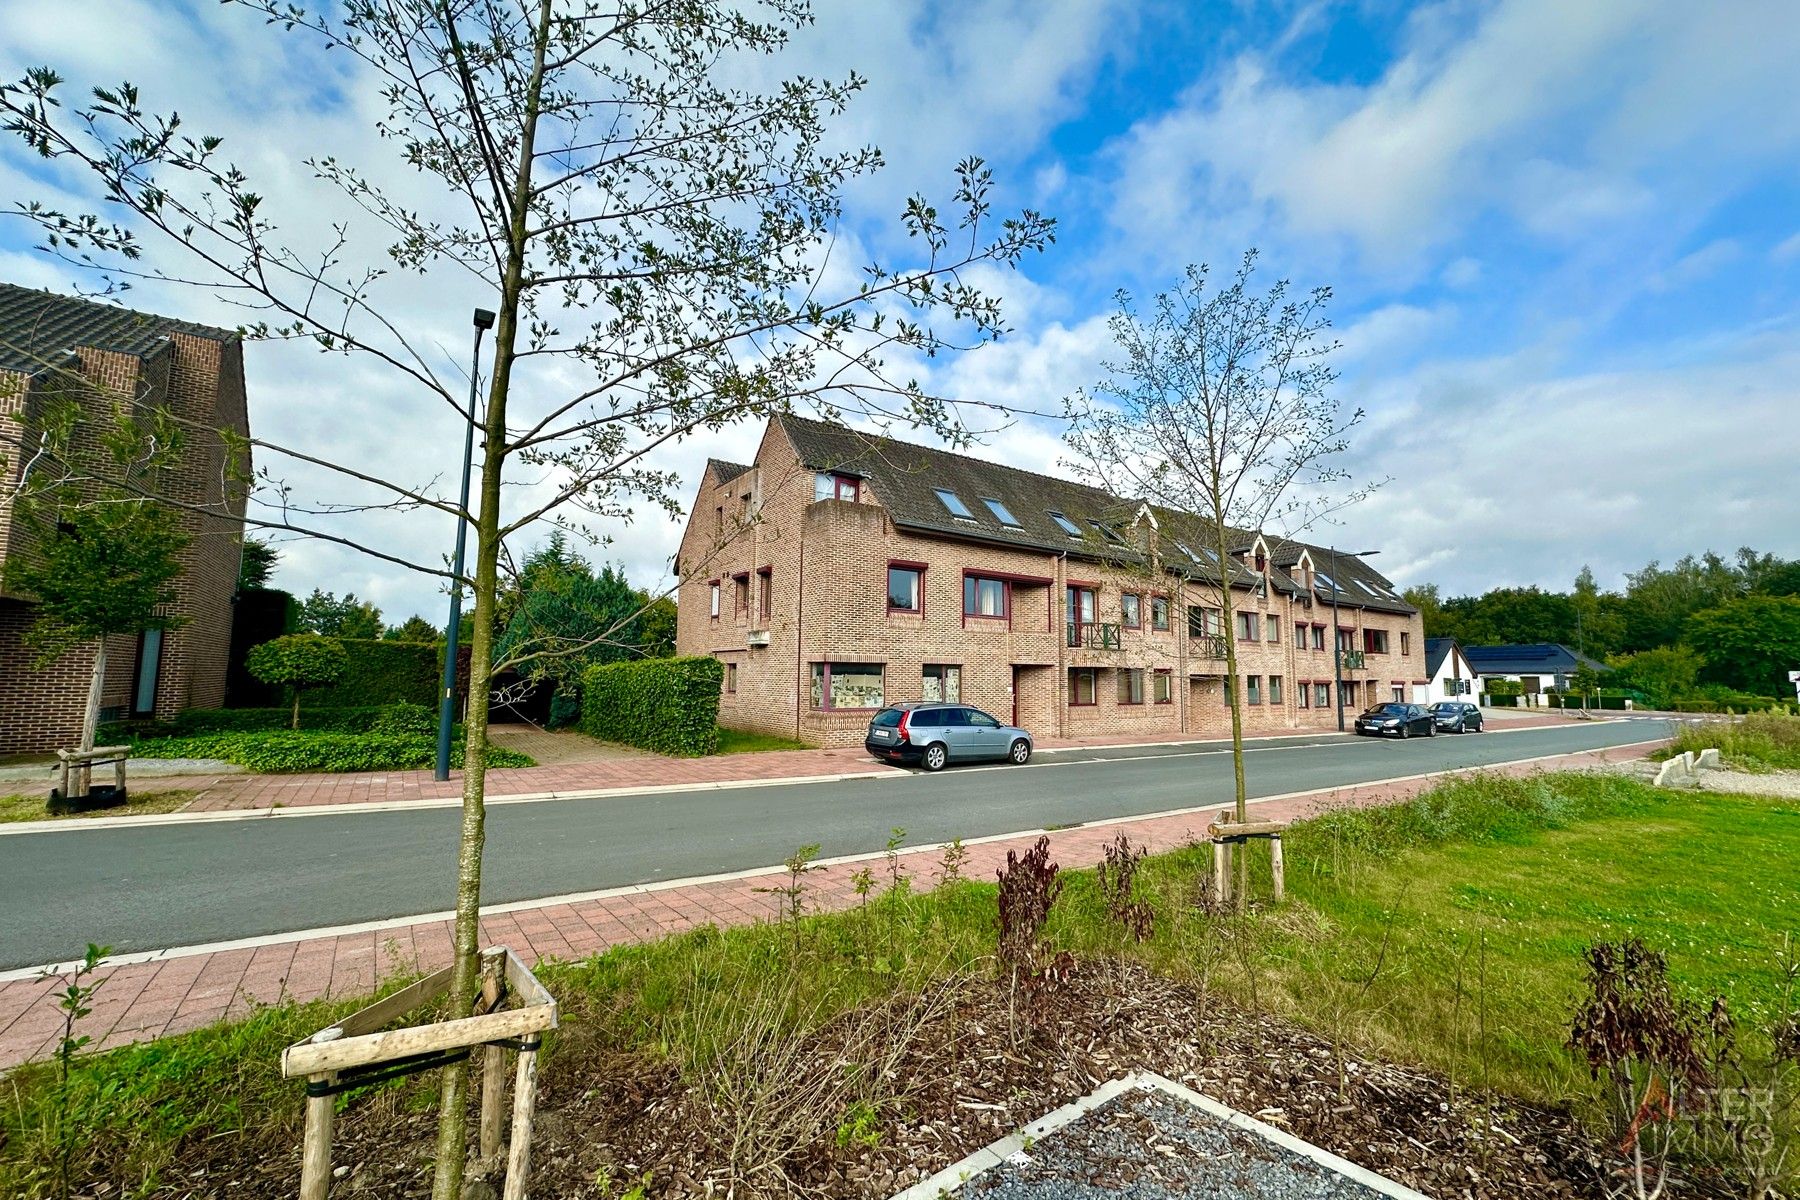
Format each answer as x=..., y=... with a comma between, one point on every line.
x=934, y=735
x=1396, y=720
x=1456, y=716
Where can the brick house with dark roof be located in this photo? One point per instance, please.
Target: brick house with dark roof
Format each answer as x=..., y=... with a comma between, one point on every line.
x=841, y=571
x=54, y=346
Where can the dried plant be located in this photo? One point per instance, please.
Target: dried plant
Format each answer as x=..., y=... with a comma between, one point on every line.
x=1117, y=873
x=1657, y=1052
x=1028, y=889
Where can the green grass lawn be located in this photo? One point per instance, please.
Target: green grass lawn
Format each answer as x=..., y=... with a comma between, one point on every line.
x=1446, y=931
x=742, y=741
x=31, y=808
x=1707, y=879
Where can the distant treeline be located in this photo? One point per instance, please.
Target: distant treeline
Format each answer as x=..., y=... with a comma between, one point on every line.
x=1704, y=625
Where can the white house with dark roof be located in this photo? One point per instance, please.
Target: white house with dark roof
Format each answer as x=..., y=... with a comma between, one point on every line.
x=1449, y=675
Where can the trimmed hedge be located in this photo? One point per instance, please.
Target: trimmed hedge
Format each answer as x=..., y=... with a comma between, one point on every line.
x=196, y=721
x=669, y=705
x=283, y=751
x=381, y=673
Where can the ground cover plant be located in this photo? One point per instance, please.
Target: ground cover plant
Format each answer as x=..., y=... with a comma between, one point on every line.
x=276, y=752
x=1449, y=934
x=1758, y=742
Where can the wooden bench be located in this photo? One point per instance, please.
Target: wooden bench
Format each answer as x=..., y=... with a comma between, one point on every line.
x=79, y=765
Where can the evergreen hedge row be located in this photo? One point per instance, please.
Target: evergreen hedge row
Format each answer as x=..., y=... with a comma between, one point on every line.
x=669, y=705
x=381, y=673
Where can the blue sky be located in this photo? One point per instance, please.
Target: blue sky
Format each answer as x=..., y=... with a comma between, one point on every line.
x=1564, y=240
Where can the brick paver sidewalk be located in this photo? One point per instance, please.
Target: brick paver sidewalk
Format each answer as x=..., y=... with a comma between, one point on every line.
x=218, y=793
x=144, y=1000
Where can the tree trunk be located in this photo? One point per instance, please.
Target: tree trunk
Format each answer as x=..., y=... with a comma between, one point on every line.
x=1235, y=693
x=81, y=783
x=90, y=717
x=294, y=722
x=452, y=1133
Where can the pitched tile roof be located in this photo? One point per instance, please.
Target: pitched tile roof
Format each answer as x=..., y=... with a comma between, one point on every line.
x=726, y=471
x=1533, y=658
x=906, y=478
x=37, y=327
x=1436, y=650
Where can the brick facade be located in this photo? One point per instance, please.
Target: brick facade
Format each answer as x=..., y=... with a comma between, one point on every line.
x=823, y=565
x=197, y=376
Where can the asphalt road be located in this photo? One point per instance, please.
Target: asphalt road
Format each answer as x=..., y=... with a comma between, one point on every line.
x=154, y=887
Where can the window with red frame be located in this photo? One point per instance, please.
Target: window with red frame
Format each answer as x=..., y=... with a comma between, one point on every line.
x=1131, y=685
x=765, y=591
x=1083, y=692
x=1159, y=613
x=1162, y=686
x=1131, y=610
x=906, y=588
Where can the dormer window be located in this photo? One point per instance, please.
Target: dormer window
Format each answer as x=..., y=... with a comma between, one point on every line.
x=1001, y=513
x=1262, y=563
x=829, y=485
x=1067, y=526
x=954, y=503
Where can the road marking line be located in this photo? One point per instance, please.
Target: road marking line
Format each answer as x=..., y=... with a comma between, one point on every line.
x=304, y=935
x=883, y=771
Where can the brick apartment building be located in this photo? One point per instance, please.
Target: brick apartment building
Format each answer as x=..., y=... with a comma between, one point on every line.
x=839, y=571
x=54, y=346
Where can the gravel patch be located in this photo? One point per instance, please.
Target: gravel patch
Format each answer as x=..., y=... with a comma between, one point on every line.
x=1155, y=1140
x=136, y=768
x=1785, y=784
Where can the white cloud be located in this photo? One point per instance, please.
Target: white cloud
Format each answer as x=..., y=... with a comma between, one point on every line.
x=1503, y=475
x=1787, y=249
x=1537, y=112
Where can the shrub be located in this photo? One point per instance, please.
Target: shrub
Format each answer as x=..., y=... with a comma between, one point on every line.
x=377, y=672
x=1762, y=741
x=669, y=705
x=300, y=661
x=278, y=752
x=405, y=718
x=565, y=707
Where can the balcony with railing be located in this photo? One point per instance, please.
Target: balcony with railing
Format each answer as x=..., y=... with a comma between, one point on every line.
x=1093, y=635
x=1207, y=645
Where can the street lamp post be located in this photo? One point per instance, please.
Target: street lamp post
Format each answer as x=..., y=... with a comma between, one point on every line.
x=484, y=321
x=1337, y=636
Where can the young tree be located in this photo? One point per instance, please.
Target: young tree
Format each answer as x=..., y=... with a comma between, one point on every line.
x=654, y=236
x=1221, y=406
x=300, y=662
x=95, y=570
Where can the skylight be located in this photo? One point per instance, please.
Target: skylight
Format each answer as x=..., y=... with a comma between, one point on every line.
x=1109, y=533
x=1002, y=512
x=1067, y=526
x=954, y=503
x=1199, y=556
x=1327, y=580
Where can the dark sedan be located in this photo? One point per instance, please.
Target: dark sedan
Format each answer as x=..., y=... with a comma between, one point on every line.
x=1456, y=716
x=1397, y=720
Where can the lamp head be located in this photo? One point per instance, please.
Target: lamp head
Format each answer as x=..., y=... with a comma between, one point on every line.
x=484, y=319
